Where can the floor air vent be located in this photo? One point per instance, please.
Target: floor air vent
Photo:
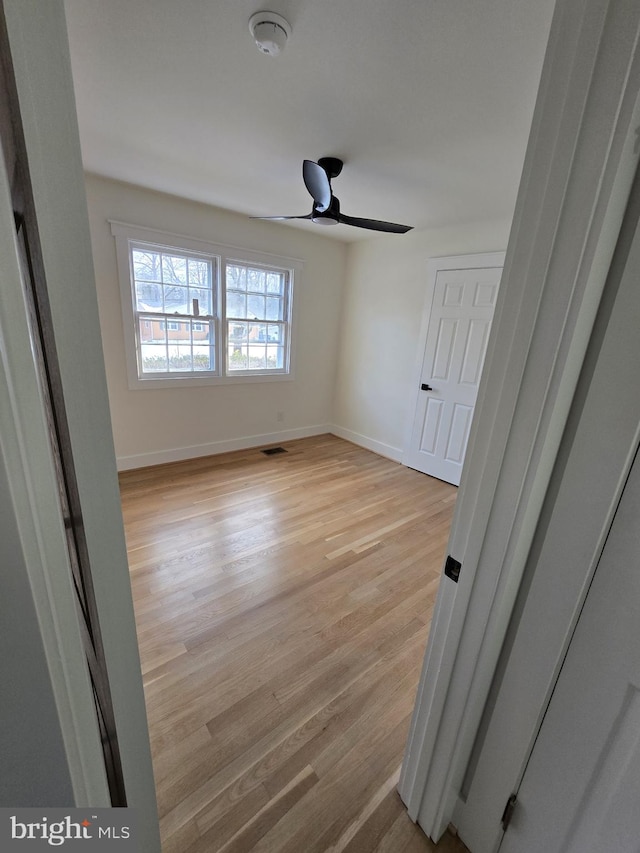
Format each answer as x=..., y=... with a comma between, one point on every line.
x=271, y=451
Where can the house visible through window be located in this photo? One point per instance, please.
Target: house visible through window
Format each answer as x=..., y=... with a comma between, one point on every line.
x=197, y=315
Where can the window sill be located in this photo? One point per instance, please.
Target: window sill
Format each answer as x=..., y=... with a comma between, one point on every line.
x=174, y=383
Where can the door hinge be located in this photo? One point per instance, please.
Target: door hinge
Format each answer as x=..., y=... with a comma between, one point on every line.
x=507, y=814
x=452, y=568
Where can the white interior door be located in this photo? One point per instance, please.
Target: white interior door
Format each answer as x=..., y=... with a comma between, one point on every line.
x=457, y=332
x=579, y=793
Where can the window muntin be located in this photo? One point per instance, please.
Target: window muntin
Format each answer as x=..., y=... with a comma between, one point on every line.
x=257, y=318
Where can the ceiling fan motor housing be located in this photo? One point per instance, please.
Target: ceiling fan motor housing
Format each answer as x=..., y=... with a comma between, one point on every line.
x=270, y=31
x=331, y=165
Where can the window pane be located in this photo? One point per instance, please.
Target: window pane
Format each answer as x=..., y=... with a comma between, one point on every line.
x=202, y=358
x=258, y=332
x=236, y=277
x=257, y=357
x=146, y=265
x=275, y=357
x=180, y=358
x=275, y=283
x=148, y=296
x=236, y=304
x=255, y=307
x=201, y=332
x=174, y=269
x=256, y=280
x=176, y=300
x=204, y=300
x=199, y=273
x=151, y=330
x=275, y=334
x=238, y=332
x=238, y=358
x=154, y=358
x=274, y=308
x=178, y=332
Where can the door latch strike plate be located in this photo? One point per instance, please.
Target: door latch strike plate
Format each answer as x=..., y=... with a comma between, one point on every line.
x=452, y=569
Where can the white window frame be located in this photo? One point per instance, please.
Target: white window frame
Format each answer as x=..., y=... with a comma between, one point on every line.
x=285, y=323
x=128, y=236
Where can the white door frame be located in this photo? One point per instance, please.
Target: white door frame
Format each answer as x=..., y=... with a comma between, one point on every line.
x=577, y=176
x=483, y=260
x=33, y=497
x=37, y=39
x=597, y=451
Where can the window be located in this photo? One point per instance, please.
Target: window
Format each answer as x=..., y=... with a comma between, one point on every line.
x=165, y=283
x=196, y=314
x=256, y=300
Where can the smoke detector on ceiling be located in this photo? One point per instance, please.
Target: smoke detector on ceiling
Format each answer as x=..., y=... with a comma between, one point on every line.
x=270, y=32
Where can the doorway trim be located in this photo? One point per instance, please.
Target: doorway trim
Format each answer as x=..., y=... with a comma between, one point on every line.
x=597, y=452
x=33, y=498
x=39, y=52
x=482, y=260
x=577, y=176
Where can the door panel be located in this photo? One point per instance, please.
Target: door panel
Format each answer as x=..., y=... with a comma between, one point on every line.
x=456, y=343
x=431, y=426
x=446, y=339
x=579, y=793
x=477, y=336
x=458, y=433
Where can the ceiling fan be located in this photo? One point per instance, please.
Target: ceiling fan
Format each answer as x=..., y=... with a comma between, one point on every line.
x=326, y=207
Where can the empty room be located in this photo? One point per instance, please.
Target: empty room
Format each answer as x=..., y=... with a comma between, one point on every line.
x=285, y=503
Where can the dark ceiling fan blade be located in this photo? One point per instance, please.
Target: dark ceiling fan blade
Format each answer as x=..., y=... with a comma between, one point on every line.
x=374, y=224
x=308, y=216
x=317, y=182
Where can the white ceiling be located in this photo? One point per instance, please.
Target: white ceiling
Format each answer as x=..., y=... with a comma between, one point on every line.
x=428, y=102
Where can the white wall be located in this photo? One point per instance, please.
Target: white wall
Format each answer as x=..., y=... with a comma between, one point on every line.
x=383, y=305
x=359, y=308
x=149, y=426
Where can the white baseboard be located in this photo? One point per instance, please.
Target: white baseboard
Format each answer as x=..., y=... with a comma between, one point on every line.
x=379, y=447
x=177, y=454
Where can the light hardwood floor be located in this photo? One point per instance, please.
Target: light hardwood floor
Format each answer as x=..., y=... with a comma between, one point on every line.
x=282, y=605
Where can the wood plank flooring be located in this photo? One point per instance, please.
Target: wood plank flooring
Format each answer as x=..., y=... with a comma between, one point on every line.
x=282, y=606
